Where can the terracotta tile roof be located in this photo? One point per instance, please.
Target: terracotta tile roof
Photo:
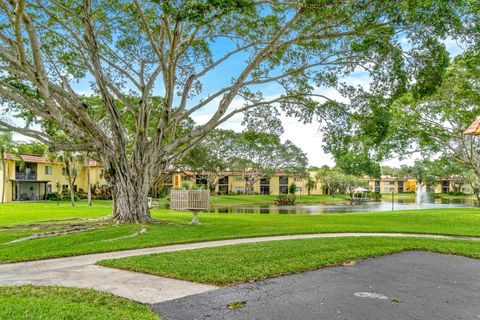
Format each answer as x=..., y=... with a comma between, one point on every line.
x=26, y=158
x=474, y=128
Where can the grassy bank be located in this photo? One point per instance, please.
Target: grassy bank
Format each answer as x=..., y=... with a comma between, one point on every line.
x=105, y=238
x=246, y=262
x=261, y=199
x=29, y=302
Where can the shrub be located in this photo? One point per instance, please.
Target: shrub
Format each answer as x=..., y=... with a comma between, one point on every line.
x=285, y=199
x=456, y=193
x=81, y=194
x=292, y=189
x=375, y=196
x=65, y=196
x=102, y=194
x=53, y=196
x=164, y=191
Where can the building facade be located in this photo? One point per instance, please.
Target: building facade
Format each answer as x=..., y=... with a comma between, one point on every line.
x=234, y=182
x=34, y=176
x=389, y=184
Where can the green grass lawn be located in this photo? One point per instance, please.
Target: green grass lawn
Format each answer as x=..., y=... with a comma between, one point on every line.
x=214, y=227
x=29, y=302
x=455, y=196
x=246, y=262
x=26, y=212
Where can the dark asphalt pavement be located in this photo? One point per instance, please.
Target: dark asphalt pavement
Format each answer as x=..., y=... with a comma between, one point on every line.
x=409, y=285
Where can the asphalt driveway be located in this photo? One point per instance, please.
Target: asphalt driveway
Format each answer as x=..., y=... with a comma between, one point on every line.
x=409, y=285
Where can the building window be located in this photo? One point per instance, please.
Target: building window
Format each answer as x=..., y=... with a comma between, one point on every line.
x=64, y=187
x=265, y=186
x=299, y=189
x=223, y=180
x=283, y=185
x=74, y=188
x=201, y=181
x=48, y=188
x=400, y=187
x=223, y=185
x=48, y=170
x=185, y=178
x=297, y=179
x=239, y=189
x=389, y=183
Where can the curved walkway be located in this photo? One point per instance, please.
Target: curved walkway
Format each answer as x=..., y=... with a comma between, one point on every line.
x=81, y=271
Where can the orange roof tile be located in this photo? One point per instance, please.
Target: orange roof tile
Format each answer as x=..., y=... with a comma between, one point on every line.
x=26, y=158
x=474, y=128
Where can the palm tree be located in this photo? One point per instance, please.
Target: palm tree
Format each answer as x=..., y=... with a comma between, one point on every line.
x=7, y=145
x=311, y=184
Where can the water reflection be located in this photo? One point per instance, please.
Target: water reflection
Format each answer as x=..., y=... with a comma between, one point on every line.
x=401, y=204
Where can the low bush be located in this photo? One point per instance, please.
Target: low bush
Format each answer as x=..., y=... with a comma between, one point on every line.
x=375, y=196
x=53, y=196
x=285, y=199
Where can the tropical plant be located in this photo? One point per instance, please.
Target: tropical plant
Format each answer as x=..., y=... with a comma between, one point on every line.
x=310, y=184
x=292, y=189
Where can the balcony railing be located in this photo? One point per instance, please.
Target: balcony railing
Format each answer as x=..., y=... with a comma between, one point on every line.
x=25, y=176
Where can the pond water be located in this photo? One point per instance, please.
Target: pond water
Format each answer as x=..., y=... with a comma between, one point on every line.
x=344, y=207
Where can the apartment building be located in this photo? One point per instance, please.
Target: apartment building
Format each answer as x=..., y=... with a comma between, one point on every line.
x=32, y=177
x=387, y=184
x=235, y=182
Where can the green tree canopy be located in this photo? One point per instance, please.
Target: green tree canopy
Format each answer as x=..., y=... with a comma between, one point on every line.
x=131, y=52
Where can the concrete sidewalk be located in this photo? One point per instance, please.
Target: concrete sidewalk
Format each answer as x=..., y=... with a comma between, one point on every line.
x=81, y=271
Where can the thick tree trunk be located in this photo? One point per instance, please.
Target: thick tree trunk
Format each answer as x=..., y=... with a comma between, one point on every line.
x=130, y=198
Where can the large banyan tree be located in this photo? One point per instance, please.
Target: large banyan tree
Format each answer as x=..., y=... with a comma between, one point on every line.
x=152, y=65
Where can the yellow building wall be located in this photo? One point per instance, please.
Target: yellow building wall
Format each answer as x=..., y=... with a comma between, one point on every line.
x=10, y=170
x=236, y=183
x=97, y=177
x=56, y=175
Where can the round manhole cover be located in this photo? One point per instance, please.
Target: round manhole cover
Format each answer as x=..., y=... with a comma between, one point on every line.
x=370, y=295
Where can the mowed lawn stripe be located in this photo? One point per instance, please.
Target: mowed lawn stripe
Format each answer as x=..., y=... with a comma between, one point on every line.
x=246, y=262
x=31, y=302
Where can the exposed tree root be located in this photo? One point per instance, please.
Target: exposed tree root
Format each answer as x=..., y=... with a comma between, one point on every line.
x=143, y=230
x=101, y=219
x=112, y=220
x=49, y=226
x=49, y=234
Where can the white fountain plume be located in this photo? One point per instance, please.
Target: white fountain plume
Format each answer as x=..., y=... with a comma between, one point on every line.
x=421, y=194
